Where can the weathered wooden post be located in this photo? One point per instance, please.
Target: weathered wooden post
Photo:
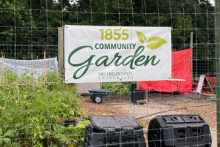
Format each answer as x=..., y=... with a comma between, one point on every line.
x=60, y=51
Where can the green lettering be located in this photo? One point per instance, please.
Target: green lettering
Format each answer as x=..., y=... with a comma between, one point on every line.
x=123, y=46
x=101, y=46
x=148, y=59
x=118, y=46
x=104, y=62
x=139, y=50
x=134, y=60
x=117, y=60
x=86, y=64
x=139, y=59
x=113, y=46
x=96, y=46
x=107, y=46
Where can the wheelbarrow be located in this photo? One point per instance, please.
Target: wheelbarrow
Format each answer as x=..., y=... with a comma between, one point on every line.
x=97, y=94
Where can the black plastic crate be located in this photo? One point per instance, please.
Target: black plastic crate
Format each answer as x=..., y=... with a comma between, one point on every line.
x=114, y=131
x=185, y=130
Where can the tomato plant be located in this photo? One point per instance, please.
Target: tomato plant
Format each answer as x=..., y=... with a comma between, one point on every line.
x=30, y=108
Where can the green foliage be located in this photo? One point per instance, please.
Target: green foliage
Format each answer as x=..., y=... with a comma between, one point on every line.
x=34, y=109
x=6, y=135
x=118, y=88
x=143, y=126
x=74, y=133
x=9, y=76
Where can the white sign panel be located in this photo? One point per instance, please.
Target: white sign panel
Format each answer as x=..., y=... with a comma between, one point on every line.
x=200, y=83
x=113, y=54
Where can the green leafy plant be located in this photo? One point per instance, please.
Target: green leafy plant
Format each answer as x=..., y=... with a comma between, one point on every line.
x=6, y=136
x=75, y=134
x=34, y=109
x=143, y=126
x=118, y=88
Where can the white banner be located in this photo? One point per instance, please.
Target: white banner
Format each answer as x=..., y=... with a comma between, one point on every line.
x=113, y=54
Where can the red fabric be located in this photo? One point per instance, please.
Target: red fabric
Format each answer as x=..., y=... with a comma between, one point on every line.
x=180, y=70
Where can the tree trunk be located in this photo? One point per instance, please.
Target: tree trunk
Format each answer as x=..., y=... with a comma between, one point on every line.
x=38, y=6
x=50, y=4
x=30, y=4
x=143, y=15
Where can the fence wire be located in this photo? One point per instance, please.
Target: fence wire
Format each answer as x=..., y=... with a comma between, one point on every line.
x=39, y=111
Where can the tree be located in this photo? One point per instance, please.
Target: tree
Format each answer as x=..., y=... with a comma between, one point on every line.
x=15, y=27
x=36, y=27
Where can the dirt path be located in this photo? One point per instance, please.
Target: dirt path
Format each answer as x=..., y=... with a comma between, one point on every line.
x=158, y=103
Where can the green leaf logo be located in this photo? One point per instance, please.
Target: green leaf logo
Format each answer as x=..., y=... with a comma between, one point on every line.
x=141, y=37
x=155, y=42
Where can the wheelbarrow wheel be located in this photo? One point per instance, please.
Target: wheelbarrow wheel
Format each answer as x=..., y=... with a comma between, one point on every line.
x=98, y=99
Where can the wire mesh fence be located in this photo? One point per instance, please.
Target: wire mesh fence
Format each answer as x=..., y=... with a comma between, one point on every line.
x=39, y=110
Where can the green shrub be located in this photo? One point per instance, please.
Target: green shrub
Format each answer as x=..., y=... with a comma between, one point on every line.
x=118, y=88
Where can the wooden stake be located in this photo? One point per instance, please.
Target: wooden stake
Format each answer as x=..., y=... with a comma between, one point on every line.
x=138, y=85
x=18, y=95
x=35, y=71
x=25, y=83
x=3, y=67
x=9, y=94
x=45, y=69
x=50, y=62
x=36, y=65
x=60, y=51
x=32, y=73
x=24, y=63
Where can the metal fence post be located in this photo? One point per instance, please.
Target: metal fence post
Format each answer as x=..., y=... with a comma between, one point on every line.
x=191, y=45
x=217, y=54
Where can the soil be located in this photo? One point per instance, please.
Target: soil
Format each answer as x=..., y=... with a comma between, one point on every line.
x=158, y=104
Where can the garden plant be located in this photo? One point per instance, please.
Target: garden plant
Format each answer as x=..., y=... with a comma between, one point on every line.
x=32, y=110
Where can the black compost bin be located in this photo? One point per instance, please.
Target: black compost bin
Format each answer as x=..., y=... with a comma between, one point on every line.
x=184, y=130
x=114, y=131
x=137, y=95
x=133, y=86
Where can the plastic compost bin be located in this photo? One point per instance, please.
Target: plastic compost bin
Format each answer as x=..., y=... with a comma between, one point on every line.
x=137, y=95
x=114, y=131
x=133, y=86
x=185, y=130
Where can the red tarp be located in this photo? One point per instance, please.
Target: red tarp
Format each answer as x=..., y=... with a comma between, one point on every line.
x=180, y=70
